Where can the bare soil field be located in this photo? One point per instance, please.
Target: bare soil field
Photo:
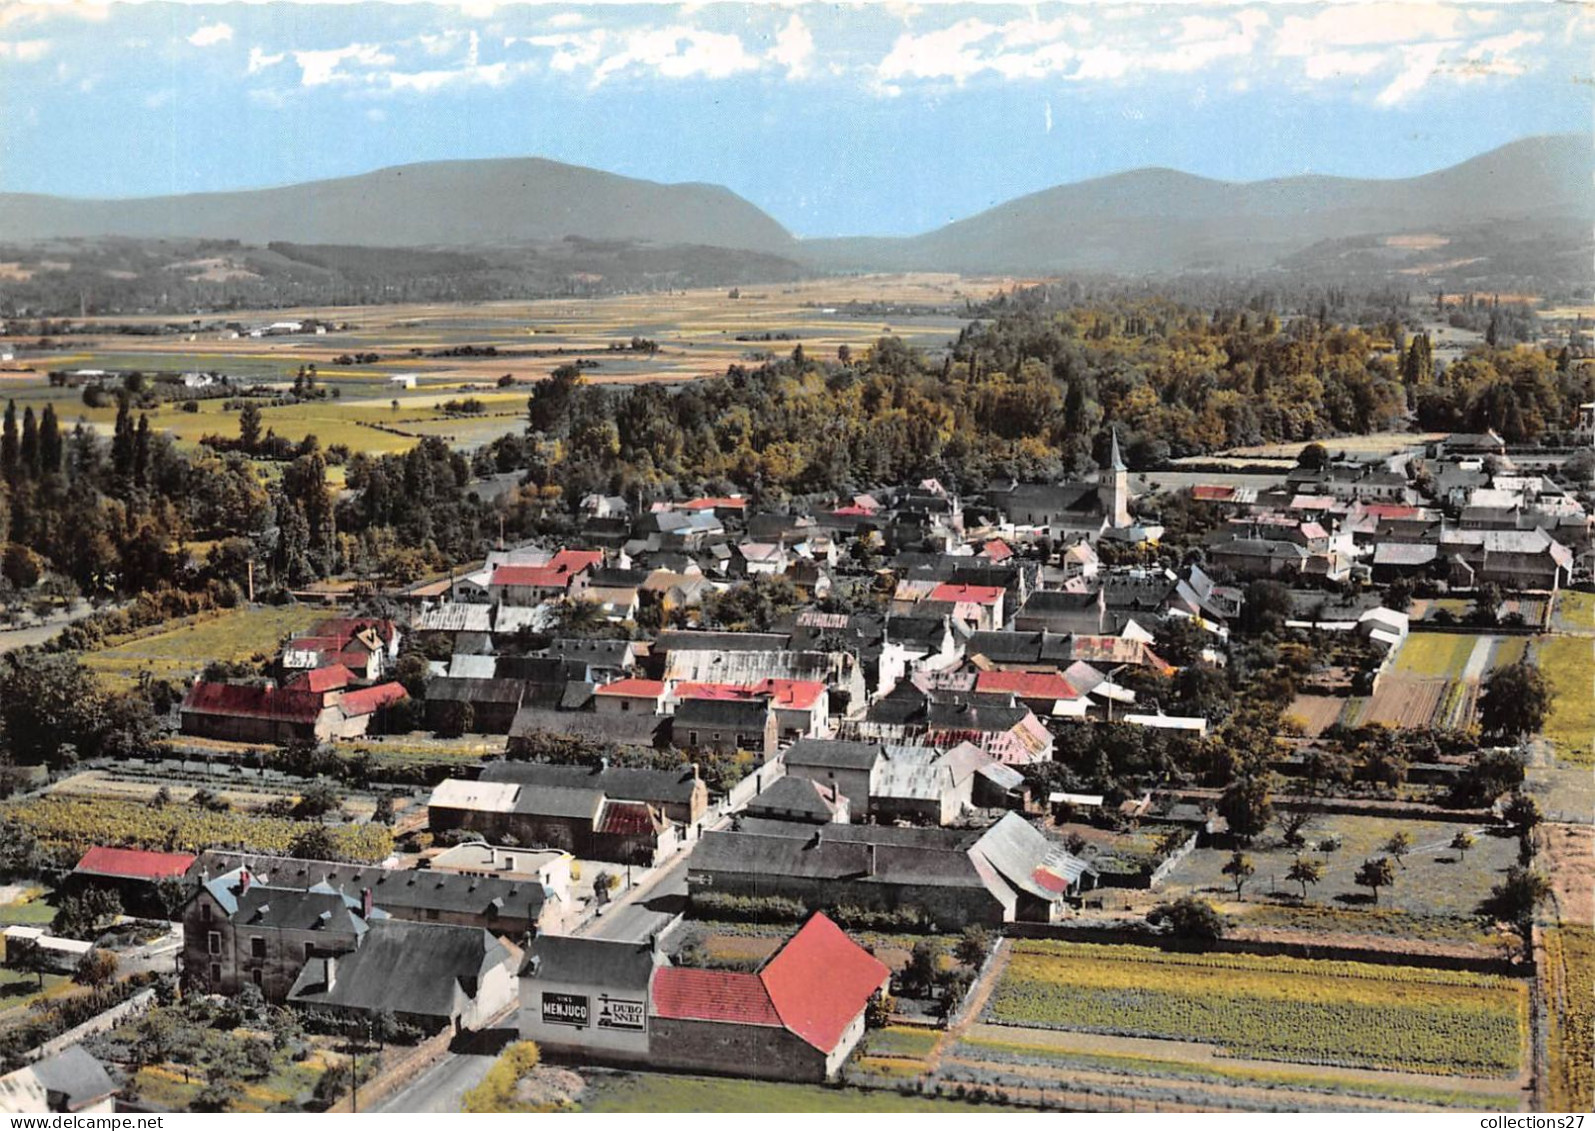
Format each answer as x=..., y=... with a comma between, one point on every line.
x=1316, y=713
x=1568, y=853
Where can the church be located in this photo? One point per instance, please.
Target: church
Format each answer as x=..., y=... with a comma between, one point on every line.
x=1075, y=512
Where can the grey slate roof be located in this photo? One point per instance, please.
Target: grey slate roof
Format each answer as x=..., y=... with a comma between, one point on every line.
x=802, y=796
x=723, y=641
x=76, y=1075
x=594, y=962
x=623, y=784
x=734, y=714
x=421, y=969
x=830, y=754
x=633, y=729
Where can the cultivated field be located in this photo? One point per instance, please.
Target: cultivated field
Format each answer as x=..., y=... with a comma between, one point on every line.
x=73, y=824
x=1346, y=1014
x=1434, y=681
x=181, y=651
x=1569, y=664
x=697, y=333
x=1570, y=996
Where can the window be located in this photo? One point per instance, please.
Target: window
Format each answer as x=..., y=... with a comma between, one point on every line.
x=692, y=738
x=310, y=950
x=625, y=704
x=257, y=947
x=431, y=912
x=215, y=975
x=213, y=942
x=258, y=977
x=204, y=912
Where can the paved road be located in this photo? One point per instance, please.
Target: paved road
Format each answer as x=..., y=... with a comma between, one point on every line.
x=440, y=1087
x=644, y=911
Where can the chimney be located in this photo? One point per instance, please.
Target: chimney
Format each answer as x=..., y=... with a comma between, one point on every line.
x=872, y=858
x=365, y=903
x=243, y=881
x=331, y=966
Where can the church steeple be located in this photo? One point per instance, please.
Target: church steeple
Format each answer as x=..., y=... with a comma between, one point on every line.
x=1113, y=487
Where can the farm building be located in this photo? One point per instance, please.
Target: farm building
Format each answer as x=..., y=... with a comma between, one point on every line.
x=133, y=873
x=797, y=1018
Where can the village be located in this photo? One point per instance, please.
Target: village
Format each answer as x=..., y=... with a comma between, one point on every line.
x=813, y=795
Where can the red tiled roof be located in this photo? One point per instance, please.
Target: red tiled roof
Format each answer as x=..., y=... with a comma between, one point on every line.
x=967, y=594
x=333, y=645
x=1027, y=685
x=575, y=561
x=798, y=694
x=537, y=577
x=249, y=701
x=820, y=981
x=705, y=504
x=997, y=550
x=681, y=993
x=624, y=818
x=736, y=692
x=349, y=627
x=333, y=677
x=633, y=688
x=854, y=511
x=1212, y=494
x=134, y=863
x=1390, y=510
x=371, y=699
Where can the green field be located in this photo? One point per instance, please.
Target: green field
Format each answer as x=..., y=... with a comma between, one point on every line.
x=1569, y=663
x=653, y=1092
x=183, y=651
x=1575, y=610
x=1434, y=654
x=1347, y=1014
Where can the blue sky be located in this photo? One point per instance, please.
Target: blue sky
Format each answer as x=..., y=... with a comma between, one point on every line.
x=879, y=118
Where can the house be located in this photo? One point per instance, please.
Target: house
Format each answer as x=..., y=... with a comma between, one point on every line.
x=564, y=575
x=578, y=819
x=953, y=877
x=679, y=794
x=924, y=785
x=70, y=1081
x=1515, y=559
x=977, y=607
x=846, y=768
x=264, y=713
x=475, y=706
x=1259, y=557
x=433, y=975
x=623, y=696
x=134, y=874
x=534, y=728
x=237, y=931
x=549, y=867
x=726, y=725
x=367, y=646
x=800, y=706
x=1007, y=732
x=1048, y=694
x=799, y=799
x=798, y=1018
x=502, y=905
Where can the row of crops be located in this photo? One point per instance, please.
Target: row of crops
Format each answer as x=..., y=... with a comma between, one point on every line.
x=1347, y=1014
x=1570, y=972
x=79, y=823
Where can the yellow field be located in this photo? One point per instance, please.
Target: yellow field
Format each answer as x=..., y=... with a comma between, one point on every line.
x=181, y=652
x=1569, y=664
x=1434, y=653
x=1570, y=987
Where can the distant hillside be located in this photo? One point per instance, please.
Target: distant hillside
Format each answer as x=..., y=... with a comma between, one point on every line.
x=464, y=204
x=1153, y=221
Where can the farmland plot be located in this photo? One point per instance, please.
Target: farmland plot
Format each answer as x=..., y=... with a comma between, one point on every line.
x=1299, y=1010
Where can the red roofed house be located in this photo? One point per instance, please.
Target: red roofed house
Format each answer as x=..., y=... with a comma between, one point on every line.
x=1048, y=694
x=798, y=1018
x=801, y=706
x=333, y=677
x=978, y=606
x=640, y=696
x=133, y=874
x=564, y=576
x=306, y=709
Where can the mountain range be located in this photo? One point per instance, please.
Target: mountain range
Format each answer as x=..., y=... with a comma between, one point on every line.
x=1143, y=222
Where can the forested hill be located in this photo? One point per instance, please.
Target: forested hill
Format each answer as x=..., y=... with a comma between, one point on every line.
x=1161, y=221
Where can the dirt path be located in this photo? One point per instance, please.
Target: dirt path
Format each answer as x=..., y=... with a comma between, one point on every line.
x=973, y=1004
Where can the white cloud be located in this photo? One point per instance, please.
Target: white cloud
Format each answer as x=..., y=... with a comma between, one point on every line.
x=318, y=68
x=259, y=60
x=1367, y=25
x=679, y=52
x=211, y=34
x=1418, y=65
x=947, y=53
x=566, y=20
x=1328, y=65
x=24, y=50
x=425, y=82
x=794, y=48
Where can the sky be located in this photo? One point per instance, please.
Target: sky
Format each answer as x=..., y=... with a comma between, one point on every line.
x=837, y=119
